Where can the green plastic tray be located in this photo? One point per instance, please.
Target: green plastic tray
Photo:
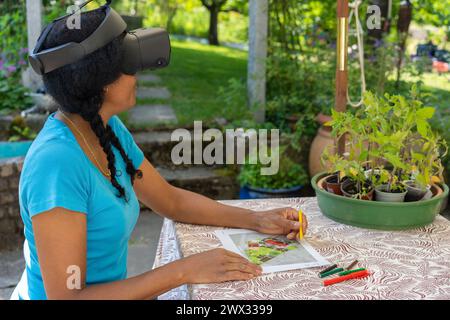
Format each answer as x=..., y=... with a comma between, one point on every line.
x=375, y=214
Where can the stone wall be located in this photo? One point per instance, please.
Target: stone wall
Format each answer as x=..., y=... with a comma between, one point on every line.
x=11, y=227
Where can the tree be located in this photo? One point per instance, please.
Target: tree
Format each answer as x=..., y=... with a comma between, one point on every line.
x=215, y=7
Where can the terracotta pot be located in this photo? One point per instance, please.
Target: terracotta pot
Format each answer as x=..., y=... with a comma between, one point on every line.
x=322, y=140
x=331, y=185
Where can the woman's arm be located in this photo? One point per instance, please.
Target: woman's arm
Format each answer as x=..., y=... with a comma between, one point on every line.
x=189, y=207
x=60, y=237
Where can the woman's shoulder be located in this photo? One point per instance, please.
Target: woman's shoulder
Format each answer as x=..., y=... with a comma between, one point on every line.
x=117, y=125
x=121, y=131
x=53, y=149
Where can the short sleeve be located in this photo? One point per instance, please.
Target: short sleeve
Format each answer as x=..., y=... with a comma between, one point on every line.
x=56, y=175
x=131, y=148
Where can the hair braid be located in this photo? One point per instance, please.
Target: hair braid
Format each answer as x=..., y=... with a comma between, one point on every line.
x=131, y=170
x=104, y=136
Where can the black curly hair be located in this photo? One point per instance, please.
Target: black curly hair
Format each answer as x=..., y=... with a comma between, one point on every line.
x=80, y=87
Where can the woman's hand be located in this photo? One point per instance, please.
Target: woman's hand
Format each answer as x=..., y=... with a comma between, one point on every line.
x=218, y=265
x=280, y=221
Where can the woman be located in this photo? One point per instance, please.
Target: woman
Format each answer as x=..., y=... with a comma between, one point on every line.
x=81, y=182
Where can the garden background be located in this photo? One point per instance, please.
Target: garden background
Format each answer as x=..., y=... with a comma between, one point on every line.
x=207, y=80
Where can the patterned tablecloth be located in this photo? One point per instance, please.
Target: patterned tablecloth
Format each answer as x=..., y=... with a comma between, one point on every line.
x=413, y=264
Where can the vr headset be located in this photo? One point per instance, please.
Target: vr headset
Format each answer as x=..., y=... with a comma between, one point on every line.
x=142, y=48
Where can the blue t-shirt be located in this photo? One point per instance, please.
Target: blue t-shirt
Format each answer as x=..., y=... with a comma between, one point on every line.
x=57, y=173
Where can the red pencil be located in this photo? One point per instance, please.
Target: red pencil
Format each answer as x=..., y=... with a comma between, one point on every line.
x=356, y=275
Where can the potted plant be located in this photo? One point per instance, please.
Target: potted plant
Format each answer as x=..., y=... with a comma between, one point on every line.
x=287, y=182
x=390, y=147
x=357, y=185
x=388, y=188
x=427, y=166
x=353, y=163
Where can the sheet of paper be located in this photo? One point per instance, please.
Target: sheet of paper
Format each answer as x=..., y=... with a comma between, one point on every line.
x=272, y=253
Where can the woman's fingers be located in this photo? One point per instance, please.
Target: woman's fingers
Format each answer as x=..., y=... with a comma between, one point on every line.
x=244, y=267
x=236, y=262
x=236, y=275
x=292, y=235
x=291, y=214
x=233, y=255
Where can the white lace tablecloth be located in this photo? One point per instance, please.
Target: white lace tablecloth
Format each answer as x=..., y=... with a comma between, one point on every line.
x=413, y=264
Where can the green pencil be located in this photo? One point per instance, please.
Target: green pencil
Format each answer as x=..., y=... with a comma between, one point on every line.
x=329, y=273
x=344, y=273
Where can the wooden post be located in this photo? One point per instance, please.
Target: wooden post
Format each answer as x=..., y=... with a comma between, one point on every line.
x=257, y=57
x=341, y=65
x=34, y=26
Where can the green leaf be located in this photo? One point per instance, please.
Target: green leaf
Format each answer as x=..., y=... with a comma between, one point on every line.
x=395, y=160
x=422, y=127
x=363, y=155
x=425, y=113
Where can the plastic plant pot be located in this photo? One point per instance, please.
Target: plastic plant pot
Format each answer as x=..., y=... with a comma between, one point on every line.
x=332, y=185
x=414, y=193
x=347, y=185
x=377, y=214
x=382, y=195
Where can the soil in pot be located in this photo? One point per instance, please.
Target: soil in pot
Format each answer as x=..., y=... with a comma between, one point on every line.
x=394, y=195
x=350, y=190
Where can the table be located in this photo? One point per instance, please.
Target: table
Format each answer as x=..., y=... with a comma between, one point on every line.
x=412, y=264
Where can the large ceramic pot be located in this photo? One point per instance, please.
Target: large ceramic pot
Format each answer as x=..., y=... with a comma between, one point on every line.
x=378, y=215
x=248, y=192
x=322, y=140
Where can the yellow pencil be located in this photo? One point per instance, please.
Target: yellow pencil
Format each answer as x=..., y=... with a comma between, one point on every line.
x=300, y=220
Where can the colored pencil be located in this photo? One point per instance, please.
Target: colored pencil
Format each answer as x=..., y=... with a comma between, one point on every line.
x=300, y=220
x=356, y=275
x=329, y=273
x=346, y=272
x=334, y=266
x=351, y=265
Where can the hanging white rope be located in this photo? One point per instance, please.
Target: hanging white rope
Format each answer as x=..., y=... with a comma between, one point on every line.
x=354, y=6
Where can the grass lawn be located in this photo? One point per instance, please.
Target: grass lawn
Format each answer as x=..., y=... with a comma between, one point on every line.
x=437, y=85
x=194, y=76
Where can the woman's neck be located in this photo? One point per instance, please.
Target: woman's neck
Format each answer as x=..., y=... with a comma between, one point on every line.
x=80, y=121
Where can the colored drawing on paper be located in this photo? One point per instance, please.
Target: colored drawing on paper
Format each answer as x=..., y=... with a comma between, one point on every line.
x=272, y=253
x=260, y=251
